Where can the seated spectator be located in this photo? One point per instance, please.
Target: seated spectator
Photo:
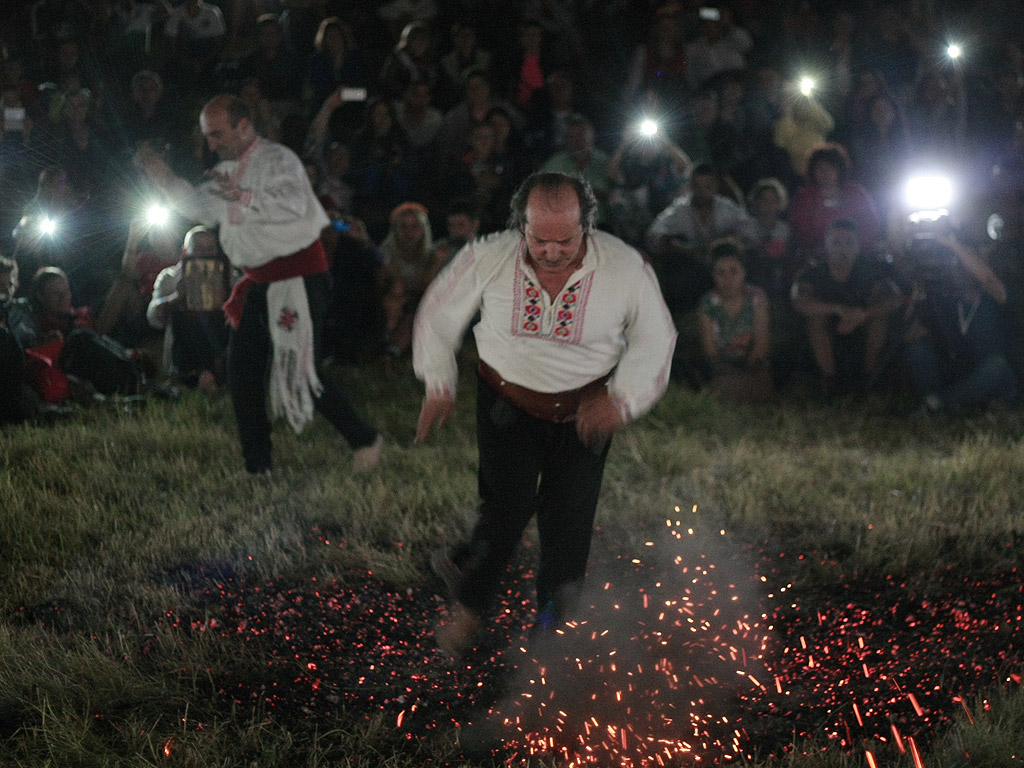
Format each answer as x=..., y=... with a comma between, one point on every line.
x=646, y=175
x=333, y=159
x=81, y=145
x=735, y=330
x=482, y=175
x=956, y=346
x=50, y=313
x=547, y=116
x=54, y=230
x=880, y=151
x=937, y=113
x=409, y=265
x=149, y=115
x=705, y=137
x=418, y=118
x=477, y=101
x=770, y=258
x=412, y=60
x=722, y=46
x=829, y=194
x=149, y=249
x=186, y=303
x=659, y=63
x=16, y=177
x=848, y=300
x=398, y=14
x=381, y=174
x=196, y=34
x=336, y=62
x=354, y=326
x=64, y=355
x=803, y=125
x=278, y=69
x=465, y=56
x=524, y=68
x=681, y=235
x=265, y=120
x=508, y=144
x=581, y=158
x=421, y=124
x=463, y=226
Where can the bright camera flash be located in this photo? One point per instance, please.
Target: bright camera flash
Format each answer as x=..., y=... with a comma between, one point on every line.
x=954, y=51
x=929, y=193
x=47, y=226
x=648, y=127
x=807, y=85
x=157, y=215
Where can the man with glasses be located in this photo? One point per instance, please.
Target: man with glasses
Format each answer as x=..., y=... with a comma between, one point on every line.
x=575, y=342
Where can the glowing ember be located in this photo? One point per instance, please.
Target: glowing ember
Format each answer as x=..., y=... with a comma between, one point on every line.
x=699, y=652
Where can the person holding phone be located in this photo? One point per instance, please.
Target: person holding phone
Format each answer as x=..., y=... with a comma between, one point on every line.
x=721, y=47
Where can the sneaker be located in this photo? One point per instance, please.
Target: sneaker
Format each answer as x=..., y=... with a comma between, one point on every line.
x=455, y=636
x=367, y=458
x=442, y=566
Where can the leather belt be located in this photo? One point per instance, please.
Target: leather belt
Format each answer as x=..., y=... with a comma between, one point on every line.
x=549, y=406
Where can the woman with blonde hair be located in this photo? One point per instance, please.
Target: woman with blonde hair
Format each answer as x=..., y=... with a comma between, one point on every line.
x=409, y=267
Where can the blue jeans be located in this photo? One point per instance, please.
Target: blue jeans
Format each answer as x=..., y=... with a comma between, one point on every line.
x=980, y=374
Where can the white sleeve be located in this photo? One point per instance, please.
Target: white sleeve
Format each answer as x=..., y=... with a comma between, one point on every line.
x=280, y=196
x=642, y=373
x=445, y=312
x=665, y=223
x=164, y=287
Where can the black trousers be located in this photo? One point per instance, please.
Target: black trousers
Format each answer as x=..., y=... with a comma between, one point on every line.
x=12, y=379
x=529, y=466
x=249, y=356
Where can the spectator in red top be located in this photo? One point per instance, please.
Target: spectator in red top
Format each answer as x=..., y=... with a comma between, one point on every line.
x=831, y=194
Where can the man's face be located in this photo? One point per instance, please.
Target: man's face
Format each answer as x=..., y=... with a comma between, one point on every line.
x=841, y=246
x=228, y=142
x=55, y=297
x=553, y=232
x=461, y=226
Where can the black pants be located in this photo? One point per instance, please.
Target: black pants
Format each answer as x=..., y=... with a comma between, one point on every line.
x=200, y=340
x=249, y=355
x=12, y=379
x=530, y=466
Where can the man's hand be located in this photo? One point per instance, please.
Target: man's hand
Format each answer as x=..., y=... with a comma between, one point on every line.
x=227, y=188
x=597, y=419
x=436, y=410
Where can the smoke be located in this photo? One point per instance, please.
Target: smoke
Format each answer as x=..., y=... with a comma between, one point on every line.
x=648, y=668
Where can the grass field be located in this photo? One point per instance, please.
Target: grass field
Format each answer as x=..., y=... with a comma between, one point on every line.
x=161, y=608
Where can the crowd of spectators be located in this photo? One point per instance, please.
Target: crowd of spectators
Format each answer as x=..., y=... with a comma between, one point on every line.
x=771, y=212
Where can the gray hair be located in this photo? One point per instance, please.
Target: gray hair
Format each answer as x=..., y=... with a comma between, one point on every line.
x=550, y=181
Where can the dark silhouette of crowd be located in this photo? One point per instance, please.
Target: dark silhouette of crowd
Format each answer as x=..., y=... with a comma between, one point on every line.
x=768, y=184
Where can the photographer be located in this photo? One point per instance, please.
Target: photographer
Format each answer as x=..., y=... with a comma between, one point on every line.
x=955, y=341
